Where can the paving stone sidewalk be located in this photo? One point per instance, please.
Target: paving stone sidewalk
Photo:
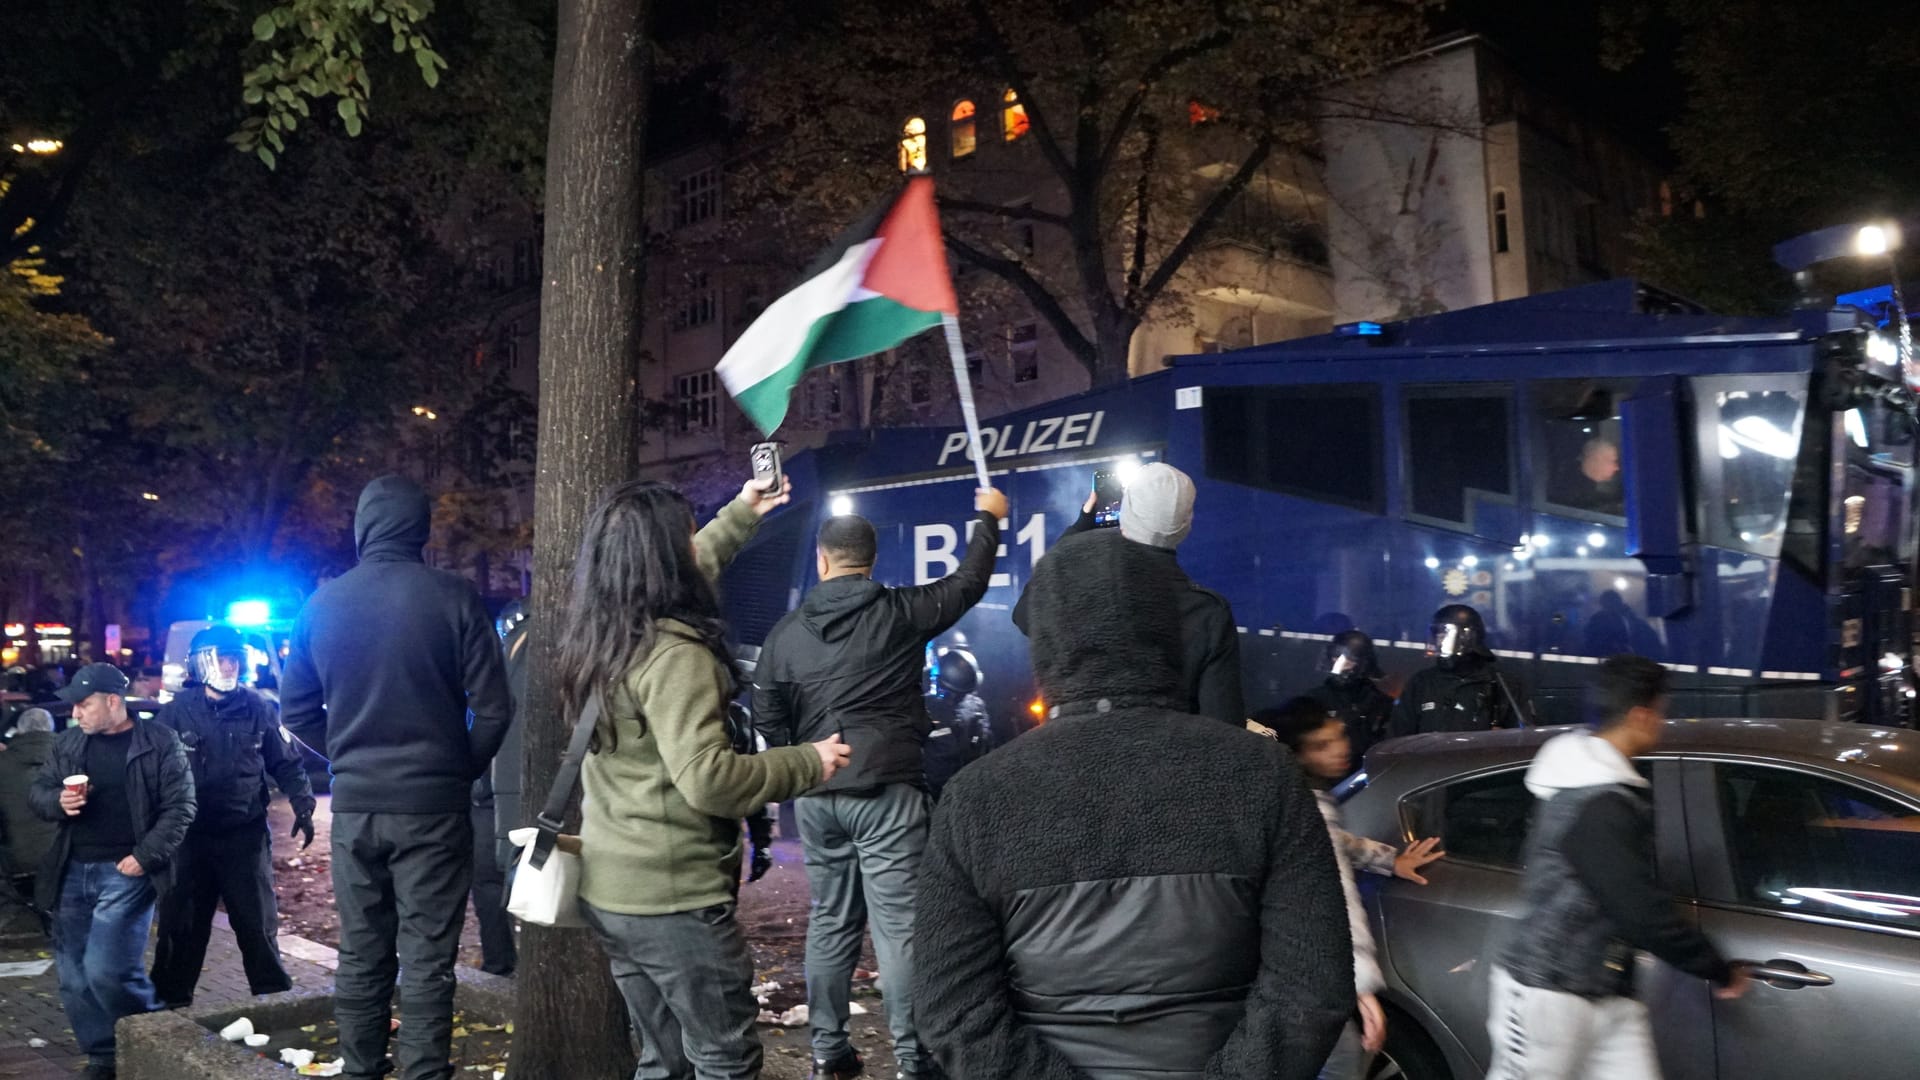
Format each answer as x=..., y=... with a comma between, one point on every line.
x=30, y=1005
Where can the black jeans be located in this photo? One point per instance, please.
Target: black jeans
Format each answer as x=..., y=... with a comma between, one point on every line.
x=497, y=952
x=400, y=883
x=688, y=982
x=234, y=866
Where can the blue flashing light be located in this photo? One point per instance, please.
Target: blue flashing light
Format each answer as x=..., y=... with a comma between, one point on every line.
x=249, y=613
x=1359, y=329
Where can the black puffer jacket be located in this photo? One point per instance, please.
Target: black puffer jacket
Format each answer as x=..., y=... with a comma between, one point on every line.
x=1193, y=927
x=159, y=792
x=849, y=660
x=235, y=743
x=388, y=660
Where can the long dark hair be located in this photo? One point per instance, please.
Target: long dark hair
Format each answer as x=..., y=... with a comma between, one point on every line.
x=635, y=567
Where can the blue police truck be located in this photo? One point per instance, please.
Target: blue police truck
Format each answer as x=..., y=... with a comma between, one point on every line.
x=1599, y=470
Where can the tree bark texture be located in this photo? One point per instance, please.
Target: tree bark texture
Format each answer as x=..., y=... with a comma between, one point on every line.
x=571, y=1021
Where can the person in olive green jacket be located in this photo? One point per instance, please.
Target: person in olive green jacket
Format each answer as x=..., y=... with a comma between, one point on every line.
x=664, y=791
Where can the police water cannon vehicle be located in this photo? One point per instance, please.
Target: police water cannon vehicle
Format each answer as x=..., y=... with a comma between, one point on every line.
x=1605, y=469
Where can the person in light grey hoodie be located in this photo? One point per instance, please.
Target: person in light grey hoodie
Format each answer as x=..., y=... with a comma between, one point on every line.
x=1560, y=996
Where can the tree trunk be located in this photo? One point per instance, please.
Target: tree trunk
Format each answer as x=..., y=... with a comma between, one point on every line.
x=1113, y=343
x=571, y=1021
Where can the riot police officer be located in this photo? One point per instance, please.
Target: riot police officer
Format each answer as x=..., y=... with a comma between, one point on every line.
x=961, y=731
x=234, y=740
x=1464, y=690
x=1348, y=668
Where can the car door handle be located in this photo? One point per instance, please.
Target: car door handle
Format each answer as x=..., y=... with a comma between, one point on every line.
x=1789, y=975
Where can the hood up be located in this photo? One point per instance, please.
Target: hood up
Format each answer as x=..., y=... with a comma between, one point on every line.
x=392, y=521
x=1104, y=622
x=1579, y=759
x=829, y=611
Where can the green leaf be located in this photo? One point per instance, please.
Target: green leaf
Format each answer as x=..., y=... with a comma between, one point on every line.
x=379, y=16
x=252, y=95
x=399, y=43
x=265, y=155
x=353, y=125
x=349, y=109
x=263, y=29
x=431, y=74
x=274, y=138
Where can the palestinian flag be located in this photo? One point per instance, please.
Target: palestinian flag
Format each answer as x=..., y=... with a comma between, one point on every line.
x=883, y=281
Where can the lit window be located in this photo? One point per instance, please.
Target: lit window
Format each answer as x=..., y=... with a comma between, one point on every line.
x=963, y=132
x=696, y=197
x=1500, y=222
x=695, y=401
x=1023, y=352
x=1013, y=116
x=913, y=145
x=698, y=304
x=1199, y=113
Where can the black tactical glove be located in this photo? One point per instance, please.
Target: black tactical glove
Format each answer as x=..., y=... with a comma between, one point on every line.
x=762, y=862
x=303, y=823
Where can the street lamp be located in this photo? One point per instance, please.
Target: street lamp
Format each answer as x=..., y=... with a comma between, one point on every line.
x=1885, y=240
x=42, y=147
x=1871, y=239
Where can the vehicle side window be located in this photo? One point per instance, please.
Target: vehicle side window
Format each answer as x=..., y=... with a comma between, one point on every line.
x=1483, y=820
x=1458, y=452
x=1804, y=843
x=1749, y=444
x=1576, y=463
x=1316, y=442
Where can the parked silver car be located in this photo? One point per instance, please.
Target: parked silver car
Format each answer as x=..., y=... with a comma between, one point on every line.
x=1794, y=843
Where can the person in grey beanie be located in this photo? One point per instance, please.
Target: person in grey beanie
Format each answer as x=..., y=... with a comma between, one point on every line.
x=1157, y=513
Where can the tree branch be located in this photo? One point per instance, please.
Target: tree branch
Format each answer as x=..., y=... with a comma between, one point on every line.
x=1011, y=213
x=1151, y=77
x=1003, y=59
x=1141, y=198
x=1203, y=224
x=1017, y=275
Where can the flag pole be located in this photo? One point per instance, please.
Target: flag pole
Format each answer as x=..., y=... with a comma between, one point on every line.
x=957, y=352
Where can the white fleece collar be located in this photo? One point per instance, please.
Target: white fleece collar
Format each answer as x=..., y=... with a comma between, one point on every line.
x=1579, y=759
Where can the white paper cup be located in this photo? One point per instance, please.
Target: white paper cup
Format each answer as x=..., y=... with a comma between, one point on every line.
x=77, y=783
x=258, y=1039
x=237, y=1030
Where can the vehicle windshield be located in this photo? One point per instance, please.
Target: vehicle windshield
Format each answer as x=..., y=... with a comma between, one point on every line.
x=1749, y=436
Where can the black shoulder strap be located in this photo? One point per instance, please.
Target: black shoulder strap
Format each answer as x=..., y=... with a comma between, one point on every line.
x=552, y=817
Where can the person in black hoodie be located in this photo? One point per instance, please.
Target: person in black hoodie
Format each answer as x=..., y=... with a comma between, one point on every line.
x=387, y=662
x=1193, y=927
x=848, y=661
x=234, y=740
x=1349, y=691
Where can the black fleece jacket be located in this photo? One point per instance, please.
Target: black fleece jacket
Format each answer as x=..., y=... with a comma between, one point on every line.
x=387, y=661
x=1193, y=927
x=849, y=660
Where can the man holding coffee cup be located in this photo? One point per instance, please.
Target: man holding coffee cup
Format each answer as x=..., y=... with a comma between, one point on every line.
x=122, y=795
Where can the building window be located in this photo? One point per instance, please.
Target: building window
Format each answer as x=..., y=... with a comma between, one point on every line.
x=1013, y=116
x=1500, y=241
x=522, y=262
x=975, y=365
x=698, y=305
x=1023, y=351
x=1459, y=456
x=833, y=395
x=913, y=145
x=696, y=197
x=510, y=346
x=963, y=130
x=1200, y=113
x=694, y=397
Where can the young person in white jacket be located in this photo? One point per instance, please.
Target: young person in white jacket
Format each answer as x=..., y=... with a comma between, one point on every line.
x=1318, y=739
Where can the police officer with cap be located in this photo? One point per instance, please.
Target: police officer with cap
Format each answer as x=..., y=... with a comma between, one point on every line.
x=234, y=741
x=1348, y=690
x=1464, y=690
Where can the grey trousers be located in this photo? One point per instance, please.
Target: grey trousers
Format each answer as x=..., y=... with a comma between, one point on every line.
x=400, y=884
x=687, y=980
x=863, y=856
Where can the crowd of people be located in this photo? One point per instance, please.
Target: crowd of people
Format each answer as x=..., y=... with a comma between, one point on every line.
x=1140, y=886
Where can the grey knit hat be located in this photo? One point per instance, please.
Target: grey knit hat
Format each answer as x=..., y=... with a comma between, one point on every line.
x=1158, y=507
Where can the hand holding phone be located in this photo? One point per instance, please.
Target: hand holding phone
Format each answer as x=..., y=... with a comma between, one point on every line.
x=1105, y=505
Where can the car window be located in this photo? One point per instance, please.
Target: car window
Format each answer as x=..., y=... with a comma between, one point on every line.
x=1808, y=844
x=1482, y=820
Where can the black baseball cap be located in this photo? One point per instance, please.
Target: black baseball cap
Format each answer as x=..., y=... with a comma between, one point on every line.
x=93, y=679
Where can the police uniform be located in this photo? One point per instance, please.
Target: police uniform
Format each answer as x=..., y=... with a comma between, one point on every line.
x=233, y=742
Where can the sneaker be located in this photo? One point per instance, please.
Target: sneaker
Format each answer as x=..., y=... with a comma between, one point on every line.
x=926, y=1070
x=841, y=1068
